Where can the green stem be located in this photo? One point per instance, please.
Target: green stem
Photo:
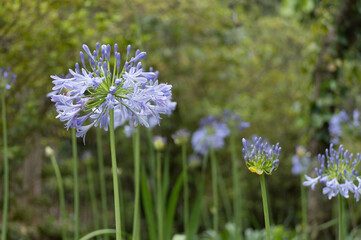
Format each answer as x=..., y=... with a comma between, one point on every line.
x=236, y=188
x=215, y=192
x=98, y=233
x=103, y=191
x=76, y=184
x=61, y=195
x=115, y=178
x=185, y=190
x=136, y=221
x=340, y=220
x=205, y=213
x=159, y=197
x=6, y=171
x=304, y=209
x=93, y=199
x=265, y=206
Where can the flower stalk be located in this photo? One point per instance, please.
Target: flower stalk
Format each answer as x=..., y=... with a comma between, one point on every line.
x=103, y=192
x=304, y=209
x=136, y=218
x=6, y=171
x=76, y=184
x=118, y=228
x=185, y=189
x=215, y=192
x=236, y=188
x=340, y=217
x=159, y=196
x=265, y=206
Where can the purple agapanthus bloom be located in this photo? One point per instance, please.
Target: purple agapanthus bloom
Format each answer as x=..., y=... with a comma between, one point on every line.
x=211, y=134
x=356, y=118
x=85, y=99
x=233, y=120
x=337, y=173
x=6, y=79
x=261, y=157
x=335, y=127
x=300, y=161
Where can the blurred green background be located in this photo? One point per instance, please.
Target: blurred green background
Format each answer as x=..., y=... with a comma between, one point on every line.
x=285, y=66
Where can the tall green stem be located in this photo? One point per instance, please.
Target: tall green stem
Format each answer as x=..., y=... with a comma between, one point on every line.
x=93, y=199
x=215, y=192
x=236, y=188
x=265, y=206
x=304, y=209
x=61, y=195
x=159, y=197
x=185, y=189
x=115, y=178
x=340, y=218
x=103, y=191
x=136, y=220
x=6, y=171
x=76, y=185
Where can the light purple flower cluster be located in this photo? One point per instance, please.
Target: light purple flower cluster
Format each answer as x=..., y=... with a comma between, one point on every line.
x=6, y=79
x=234, y=120
x=335, y=127
x=261, y=157
x=300, y=161
x=211, y=134
x=337, y=173
x=181, y=136
x=91, y=91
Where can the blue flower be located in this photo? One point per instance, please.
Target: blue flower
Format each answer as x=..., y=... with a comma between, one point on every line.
x=181, y=136
x=300, y=161
x=211, y=134
x=335, y=128
x=337, y=173
x=261, y=157
x=6, y=79
x=90, y=92
x=311, y=181
x=234, y=120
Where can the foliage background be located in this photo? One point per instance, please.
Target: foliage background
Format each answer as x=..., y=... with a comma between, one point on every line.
x=255, y=57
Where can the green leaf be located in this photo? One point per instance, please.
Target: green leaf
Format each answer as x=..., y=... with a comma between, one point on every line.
x=148, y=206
x=172, y=204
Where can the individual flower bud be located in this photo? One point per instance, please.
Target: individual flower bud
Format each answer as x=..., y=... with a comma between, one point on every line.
x=159, y=143
x=49, y=151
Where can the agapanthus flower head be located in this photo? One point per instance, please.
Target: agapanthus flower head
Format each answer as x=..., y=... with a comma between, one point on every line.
x=337, y=172
x=159, y=142
x=356, y=118
x=211, y=134
x=6, y=79
x=300, y=161
x=181, y=137
x=335, y=127
x=234, y=120
x=194, y=161
x=261, y=157
x=98, y=86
